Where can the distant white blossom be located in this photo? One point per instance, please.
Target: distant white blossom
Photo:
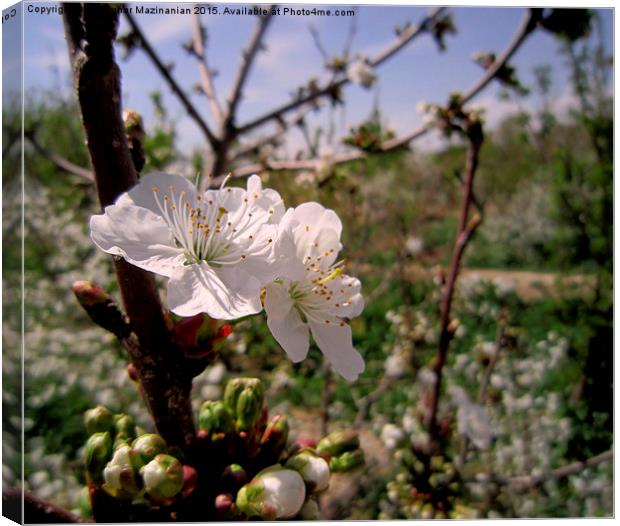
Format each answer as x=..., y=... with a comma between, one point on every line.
x=361, y=72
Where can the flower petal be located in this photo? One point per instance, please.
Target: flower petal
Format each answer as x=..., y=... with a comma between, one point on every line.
x=350, y=302
x=224, y=293
x=138, y=235
x=143, y=193
x=285, y=323
x=335, y=341
x=318, y=217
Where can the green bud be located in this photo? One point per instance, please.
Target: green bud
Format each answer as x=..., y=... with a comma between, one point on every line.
x=215, y=418
x=310, y=511
x=276, y=435
x=145, y=448
x=235, y=387
x=234, y=476
x=134, y=127
x=338, y=442
x=348, y=461
x=163, y=477
x=124, y=427
x=120, y=477
x=97, y=454
x=98, y=420
x=249, y=408
x=437, y=463
x=85, y=509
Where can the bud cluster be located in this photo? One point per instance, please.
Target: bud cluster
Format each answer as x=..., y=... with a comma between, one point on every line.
x=129, y=464
x=243, y=466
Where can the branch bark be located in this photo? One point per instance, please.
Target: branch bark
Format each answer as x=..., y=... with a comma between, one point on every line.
x=465, y=230
x=97, y=81
x=206, y=77
x=36, y=510
x=60, y=162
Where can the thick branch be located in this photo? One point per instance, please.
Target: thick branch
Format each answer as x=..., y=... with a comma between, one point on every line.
x=36, y=510
x=199, y=38
x=247, y=59
x=403, y=39
x=174, y=85
x=97, y=80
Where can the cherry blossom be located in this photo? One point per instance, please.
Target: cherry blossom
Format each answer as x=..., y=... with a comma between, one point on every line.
x=217, y=248
x=314, y=295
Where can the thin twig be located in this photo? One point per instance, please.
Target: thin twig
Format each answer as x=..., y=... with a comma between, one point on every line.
x=524, y=482
x=172, y=83
x=60, y=162
x=328, y=394
x=247, y=58
x=283, y=126
x=465, y=230
x=350, y=35
x=312, y=164
x=317, y=42
x=403, y=39
x=206, y=77
x=364, y=405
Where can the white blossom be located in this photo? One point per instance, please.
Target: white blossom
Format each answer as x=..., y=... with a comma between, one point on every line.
x=216, y=247
x=315, y=295
x=361, y=72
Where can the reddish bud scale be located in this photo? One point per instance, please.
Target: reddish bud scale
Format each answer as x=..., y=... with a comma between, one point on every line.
x=89, y=294
x=132, y=371
x=190, y=476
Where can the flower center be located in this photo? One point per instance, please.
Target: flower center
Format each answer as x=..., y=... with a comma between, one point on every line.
x=205, y=229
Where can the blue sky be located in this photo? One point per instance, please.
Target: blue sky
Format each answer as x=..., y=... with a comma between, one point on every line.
x=419, y=72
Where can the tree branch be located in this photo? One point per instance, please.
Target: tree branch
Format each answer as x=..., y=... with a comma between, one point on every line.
x=174, y=86
x=465, y=230
x=199, y=40
x=404, y=38
x=97, y=80
x=524, y=30
x=524, y=482
x=247, y=59
x=60, y=162
x=36, y=510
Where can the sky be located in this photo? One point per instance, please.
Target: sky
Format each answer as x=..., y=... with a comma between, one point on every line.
x=419, y=72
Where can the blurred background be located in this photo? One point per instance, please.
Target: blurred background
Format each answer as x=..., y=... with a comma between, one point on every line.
x=534, y=298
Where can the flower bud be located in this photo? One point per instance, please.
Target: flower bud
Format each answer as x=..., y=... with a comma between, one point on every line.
x=338, y=442
x=145, y=448
x=163, y=477
x=134, y=127
x=215, y=419
x=89, y=294
x=236, y=386
x=310, y=511
x=98, y=420
x=224, y=506
x=276, y=435
x=120, y=478
x=124, y=427
x=190, y=477
x=312, y=468
x=249, y=408
x=348, y=461
x=275, y=493
x=97, y=454
x=234, y=476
